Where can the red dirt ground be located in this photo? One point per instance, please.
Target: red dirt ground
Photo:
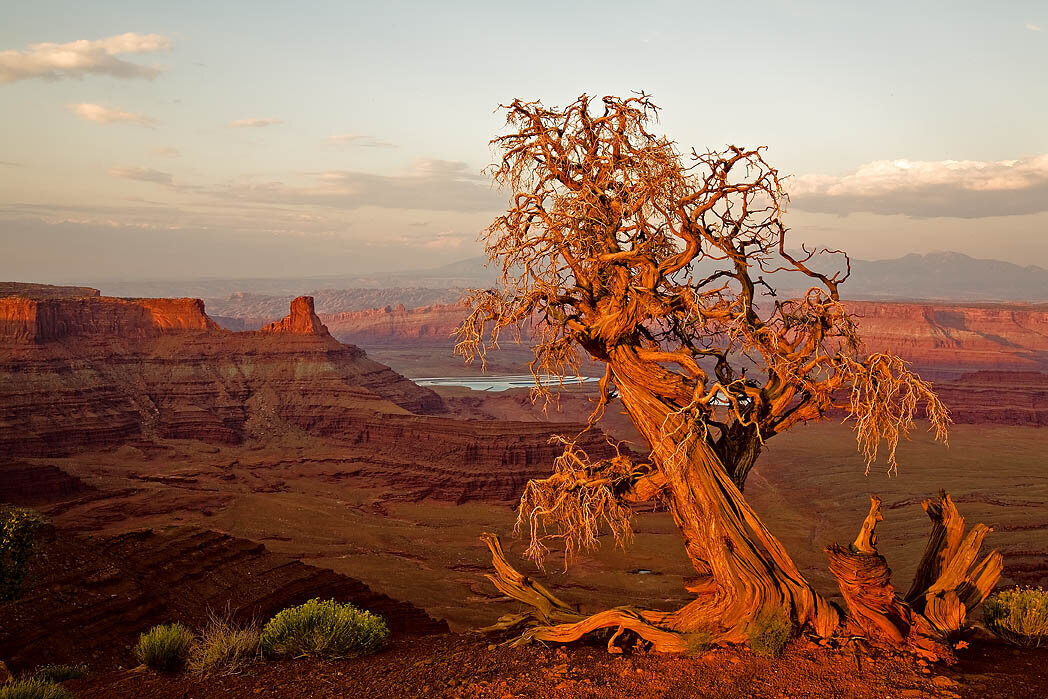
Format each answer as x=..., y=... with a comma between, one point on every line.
x=469, y=667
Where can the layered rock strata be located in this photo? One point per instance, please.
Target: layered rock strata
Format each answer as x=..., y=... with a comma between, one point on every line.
x=95, y=372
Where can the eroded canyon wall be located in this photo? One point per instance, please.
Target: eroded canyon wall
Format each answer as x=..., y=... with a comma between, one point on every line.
x=94, y=372
x=86, y=373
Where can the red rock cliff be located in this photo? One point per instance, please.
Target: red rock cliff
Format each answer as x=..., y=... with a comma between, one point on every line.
x=45, y=320
x=94, y=372
x=302, y=320
x=947, y=340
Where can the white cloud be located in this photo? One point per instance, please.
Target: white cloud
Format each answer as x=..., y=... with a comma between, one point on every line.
x=943, y=188
x=79, y=58
x=1033, y=27
x=143, y=175
x=254, y=123
x=107, y=115
x=359, y=140
x=167, y=151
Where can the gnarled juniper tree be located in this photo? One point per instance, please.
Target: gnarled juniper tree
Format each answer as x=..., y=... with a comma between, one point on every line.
x=660, y=265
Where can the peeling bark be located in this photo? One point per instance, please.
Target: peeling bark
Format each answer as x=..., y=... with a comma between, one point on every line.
x=948, y=583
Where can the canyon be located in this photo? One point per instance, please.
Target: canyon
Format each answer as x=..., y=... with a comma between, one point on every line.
x=148, y=433
x=120, y=418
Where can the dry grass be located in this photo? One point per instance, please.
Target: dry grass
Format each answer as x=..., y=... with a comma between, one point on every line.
x=770, y=633
x=224, y=646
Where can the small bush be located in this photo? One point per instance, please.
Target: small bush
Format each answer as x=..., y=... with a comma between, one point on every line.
x=1019, y=616
x=60, y=673
x=223, y=645
x=323, y=629
x=698, y=642
x=769, y=633
x=33, y=689
x=164, y=647
x=18, y=528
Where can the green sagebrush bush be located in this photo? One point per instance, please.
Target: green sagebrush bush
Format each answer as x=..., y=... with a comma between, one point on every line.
x=1019, y=616
x=769, y=633
x=33, y=688
x=18, y=528
x=60, y=673
x=223, y=646
x=326, y=629
x=164, y=647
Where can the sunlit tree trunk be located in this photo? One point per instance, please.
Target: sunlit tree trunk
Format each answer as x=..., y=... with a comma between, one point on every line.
x=743, y=570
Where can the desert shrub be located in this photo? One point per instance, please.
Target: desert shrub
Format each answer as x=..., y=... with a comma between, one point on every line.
x=1019, y=616
x=18, y=528
x=698, y=642
x=60, y=673
x=325, y=629
x=33, y=689
x=769, y=633
x=224, y=646
x=164, y=647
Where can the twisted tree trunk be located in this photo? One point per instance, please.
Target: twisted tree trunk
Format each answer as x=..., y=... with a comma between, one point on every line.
x=743, y=568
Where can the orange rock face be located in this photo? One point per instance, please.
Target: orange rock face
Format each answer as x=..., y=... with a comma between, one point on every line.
x=947, y=340
x=302, y=320
x=45, y=320
x=94, y=371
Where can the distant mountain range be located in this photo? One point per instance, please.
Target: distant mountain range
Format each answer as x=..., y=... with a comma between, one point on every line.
x=938, y=276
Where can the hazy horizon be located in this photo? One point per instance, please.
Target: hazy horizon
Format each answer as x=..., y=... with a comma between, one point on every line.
x=246, y=140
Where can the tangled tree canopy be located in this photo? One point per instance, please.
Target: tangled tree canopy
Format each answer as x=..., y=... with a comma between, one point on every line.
x=661, y=265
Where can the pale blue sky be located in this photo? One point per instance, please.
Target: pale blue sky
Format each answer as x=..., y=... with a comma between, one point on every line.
x=382, y=113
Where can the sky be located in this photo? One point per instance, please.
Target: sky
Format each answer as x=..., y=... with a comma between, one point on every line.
x=162, y=140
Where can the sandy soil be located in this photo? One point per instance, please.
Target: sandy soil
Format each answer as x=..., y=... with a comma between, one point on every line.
x=472, y=668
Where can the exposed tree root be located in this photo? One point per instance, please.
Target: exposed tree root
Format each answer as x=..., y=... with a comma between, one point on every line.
x=928, y=622
x=550, y=619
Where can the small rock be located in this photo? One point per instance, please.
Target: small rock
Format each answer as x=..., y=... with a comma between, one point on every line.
x=492, y=646
x=943, y=681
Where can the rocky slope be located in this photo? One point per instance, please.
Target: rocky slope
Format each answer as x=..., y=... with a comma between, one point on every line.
x=997, y=397
x=88, y=599
x=96, y=372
